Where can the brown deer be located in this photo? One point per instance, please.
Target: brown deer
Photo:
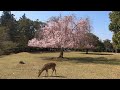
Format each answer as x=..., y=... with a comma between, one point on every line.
x=46, y=67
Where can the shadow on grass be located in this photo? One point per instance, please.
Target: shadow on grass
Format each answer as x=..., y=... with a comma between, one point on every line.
x=55, y=76
x=98, y=60
x=97, y=53
x=40, y=52
x=2, y=56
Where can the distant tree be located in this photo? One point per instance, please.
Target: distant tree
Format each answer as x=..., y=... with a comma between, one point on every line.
x=90, y=42
x=37, y=27
x=38, y=24
x=6, y=46
x=108, y=45
x=7, y=20
x=116, y=41
x=25, y=31
x=4, y=34
x=100, y=46
x=3, y=37
x=62, y=32
x=114, y=26
x=17, y=33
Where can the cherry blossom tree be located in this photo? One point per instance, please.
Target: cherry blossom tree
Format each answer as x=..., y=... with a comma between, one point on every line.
x=62, y=32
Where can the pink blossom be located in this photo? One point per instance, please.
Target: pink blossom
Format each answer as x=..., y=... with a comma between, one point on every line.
x=65, y=32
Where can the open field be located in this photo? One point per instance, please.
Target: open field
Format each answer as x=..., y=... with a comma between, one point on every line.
x=76, y=65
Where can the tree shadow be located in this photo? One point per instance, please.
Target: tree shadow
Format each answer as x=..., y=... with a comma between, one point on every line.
x=98, y=53
x=35, y=52
x=42, y=52
x=2, y=56
x=96, y=60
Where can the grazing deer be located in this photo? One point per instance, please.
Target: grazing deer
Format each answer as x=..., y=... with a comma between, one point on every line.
x=46, y=67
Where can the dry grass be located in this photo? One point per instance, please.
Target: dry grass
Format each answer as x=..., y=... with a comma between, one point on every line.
x=75, y=65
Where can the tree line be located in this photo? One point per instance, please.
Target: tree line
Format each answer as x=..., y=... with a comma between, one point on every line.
x=15, y=35
x=67, y=32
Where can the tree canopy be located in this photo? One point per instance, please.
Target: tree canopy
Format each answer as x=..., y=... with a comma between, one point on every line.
x=62, y=32
x=114, y=26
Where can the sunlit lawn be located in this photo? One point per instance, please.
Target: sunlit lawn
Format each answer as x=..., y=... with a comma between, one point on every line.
x=75, y=65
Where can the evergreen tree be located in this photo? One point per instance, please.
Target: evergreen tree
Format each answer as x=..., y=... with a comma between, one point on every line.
x=115, y=28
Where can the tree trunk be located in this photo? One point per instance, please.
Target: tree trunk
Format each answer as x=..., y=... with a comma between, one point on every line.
x=86, y=51
x=61, y=53
x=116, y=50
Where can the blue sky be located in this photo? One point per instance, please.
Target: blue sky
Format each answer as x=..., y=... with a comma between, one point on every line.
x=99, y=19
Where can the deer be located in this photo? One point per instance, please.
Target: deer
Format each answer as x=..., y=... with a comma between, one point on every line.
x=46, y=67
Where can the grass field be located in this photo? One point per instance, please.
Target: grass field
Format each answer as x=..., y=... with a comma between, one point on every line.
x=76, y=65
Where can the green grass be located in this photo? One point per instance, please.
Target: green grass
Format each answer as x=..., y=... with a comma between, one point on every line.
x=75, y=65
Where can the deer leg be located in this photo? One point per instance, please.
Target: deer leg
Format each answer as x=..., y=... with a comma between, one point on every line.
x=52, y=72
x=47, y=72
x=39, y=73
x=55, y=72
